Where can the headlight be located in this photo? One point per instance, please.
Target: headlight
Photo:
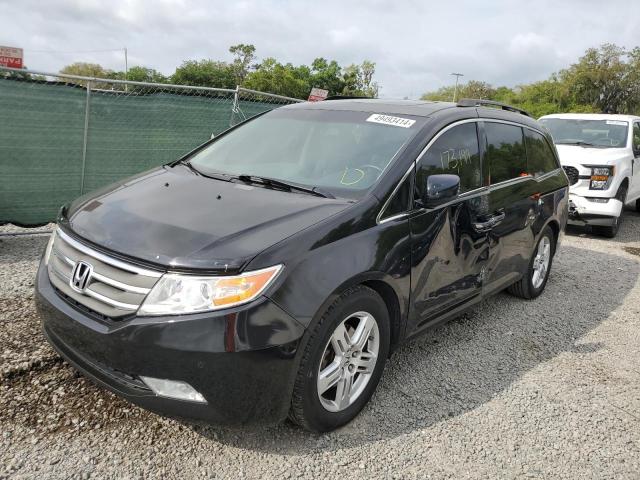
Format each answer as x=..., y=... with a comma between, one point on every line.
x=177, y=294
x=47, y=252
x=600, y=178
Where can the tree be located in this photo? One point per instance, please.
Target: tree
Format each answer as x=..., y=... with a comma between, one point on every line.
x=273, y=77
x=204, y=73
x=604, y=78
x=141, y=74
x=359, y=80
x=327, y=75
x=472, y=89
x=84, y=69
x=244, y=55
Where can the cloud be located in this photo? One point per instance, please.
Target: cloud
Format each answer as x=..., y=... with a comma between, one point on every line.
x=416, y=45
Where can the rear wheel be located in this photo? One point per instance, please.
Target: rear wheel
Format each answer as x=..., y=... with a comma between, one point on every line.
x=533, y=282
x=343, y=361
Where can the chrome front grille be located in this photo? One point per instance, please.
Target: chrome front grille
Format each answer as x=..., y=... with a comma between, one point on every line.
x=112, y=289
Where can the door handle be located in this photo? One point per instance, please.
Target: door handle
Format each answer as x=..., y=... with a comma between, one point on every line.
x=491, y=222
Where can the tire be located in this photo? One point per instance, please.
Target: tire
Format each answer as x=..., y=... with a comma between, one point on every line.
x=610, y=231
x=529, y=287
x=638, y=205
x=322, y=412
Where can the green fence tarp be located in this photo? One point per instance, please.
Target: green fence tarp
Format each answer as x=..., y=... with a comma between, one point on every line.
x=42, y=135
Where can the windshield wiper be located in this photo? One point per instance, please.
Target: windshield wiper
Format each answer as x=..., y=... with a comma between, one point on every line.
x=214, y=175
x=581, y=143
x=274, y=183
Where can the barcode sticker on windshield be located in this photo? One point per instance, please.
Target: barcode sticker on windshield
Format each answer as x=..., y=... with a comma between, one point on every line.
x=616, y=122
x=389, y=120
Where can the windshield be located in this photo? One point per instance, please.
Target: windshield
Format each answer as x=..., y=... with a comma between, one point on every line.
x=343, y=152
x=588, y=133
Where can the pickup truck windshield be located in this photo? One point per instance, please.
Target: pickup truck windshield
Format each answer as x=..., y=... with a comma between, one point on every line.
x=343, y=152
x=588, y=133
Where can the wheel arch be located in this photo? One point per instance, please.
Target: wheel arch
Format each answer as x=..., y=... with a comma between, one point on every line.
x=392, y=302
x=389, y=291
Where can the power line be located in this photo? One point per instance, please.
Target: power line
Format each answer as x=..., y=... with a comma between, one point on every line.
x=74, y=51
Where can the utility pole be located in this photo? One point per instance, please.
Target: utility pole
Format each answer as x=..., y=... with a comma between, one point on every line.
x=126, y=69
x=455, y=91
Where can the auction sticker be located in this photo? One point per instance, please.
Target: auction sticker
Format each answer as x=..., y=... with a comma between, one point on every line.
x=617, y=122
x=389, y=120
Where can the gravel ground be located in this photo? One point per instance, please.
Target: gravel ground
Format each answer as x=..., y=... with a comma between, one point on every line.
x=542, y=389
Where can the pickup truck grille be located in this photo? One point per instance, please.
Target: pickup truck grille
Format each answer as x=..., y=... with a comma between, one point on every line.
x=572, y=174
x=112, y=288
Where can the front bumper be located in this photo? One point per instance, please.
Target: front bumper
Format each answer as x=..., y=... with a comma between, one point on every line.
x=583, y=211
x=243, y=361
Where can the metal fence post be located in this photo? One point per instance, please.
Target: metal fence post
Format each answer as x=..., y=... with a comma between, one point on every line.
x=236, y=105
x=86, y=136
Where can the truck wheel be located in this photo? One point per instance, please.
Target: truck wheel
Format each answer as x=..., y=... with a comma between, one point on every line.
x=342, y=362
x=535, y=279
x=612, y=230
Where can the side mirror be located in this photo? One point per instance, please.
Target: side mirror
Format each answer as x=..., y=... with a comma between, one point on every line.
x=440, y=189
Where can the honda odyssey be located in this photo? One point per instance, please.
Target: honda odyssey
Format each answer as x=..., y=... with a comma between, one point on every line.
x=271, y=272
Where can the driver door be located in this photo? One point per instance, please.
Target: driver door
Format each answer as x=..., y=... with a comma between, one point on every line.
x=448, y=250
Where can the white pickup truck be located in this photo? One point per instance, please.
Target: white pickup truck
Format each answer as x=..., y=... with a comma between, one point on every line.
x=600, y=154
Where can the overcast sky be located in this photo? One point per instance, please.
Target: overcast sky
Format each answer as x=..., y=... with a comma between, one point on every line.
x=416, y=45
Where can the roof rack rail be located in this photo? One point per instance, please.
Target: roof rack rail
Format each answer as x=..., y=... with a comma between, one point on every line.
x=475, y=102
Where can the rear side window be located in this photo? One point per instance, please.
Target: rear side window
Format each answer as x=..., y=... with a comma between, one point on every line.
x=455, y=152
x=540, y=158
x=636, y=137
x=505, y=153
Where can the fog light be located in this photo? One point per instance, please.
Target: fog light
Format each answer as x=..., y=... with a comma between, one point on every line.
x=173, y=389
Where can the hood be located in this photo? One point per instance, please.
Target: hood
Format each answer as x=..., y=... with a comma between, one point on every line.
x=575, y=155
x=175, y=218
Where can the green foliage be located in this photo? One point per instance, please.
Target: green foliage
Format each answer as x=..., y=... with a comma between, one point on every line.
x=268, y=76
x=273, y=77
x=141, y=74
x=84, y=69
x=243, y=56
x=205, y=73
x=605, y=79
x=358, y=80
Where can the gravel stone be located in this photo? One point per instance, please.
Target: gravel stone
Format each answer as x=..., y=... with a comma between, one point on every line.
x=548, y=388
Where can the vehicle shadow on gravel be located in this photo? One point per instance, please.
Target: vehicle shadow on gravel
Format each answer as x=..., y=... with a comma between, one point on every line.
x=460, y=366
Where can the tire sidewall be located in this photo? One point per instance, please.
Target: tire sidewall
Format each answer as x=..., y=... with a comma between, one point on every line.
x=315, y=414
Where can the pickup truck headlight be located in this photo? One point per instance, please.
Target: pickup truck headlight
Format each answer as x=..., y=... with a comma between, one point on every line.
x=176, y=294
x=600, y=178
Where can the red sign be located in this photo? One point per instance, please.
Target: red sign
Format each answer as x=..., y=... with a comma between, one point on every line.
x=317, y=95
x=10, y=57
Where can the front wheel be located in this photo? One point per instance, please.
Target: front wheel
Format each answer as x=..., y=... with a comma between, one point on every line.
x=610, y=231
x=535, y=279
x=342, y=362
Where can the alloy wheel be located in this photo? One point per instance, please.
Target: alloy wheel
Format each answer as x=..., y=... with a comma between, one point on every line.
x=348, y=361
x=541, y=262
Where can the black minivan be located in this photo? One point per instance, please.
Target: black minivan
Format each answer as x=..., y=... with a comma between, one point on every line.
x=272, y=271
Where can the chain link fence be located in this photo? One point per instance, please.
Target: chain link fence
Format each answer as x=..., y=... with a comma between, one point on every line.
x=64, y=135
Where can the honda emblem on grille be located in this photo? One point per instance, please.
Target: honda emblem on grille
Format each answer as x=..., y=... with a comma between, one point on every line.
x=81, y=276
